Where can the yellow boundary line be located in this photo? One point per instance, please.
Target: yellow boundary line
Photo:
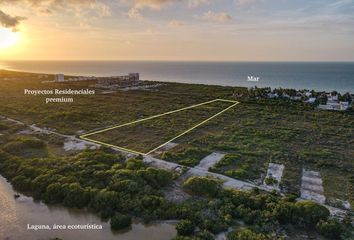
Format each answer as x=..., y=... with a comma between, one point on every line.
x=85, y=136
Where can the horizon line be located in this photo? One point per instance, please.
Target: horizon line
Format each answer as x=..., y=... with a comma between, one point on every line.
x=176, y=60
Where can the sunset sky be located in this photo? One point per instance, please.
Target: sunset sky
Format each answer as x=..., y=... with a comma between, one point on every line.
x=220, y=30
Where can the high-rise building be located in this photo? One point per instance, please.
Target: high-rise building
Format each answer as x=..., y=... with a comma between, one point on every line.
x=59, y=78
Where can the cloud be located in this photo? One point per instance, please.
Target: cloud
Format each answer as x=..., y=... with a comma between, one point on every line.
x=85, y=11
x=215, y=17
x=153, y=4
x=9, y=21
x=176, y=23
x=158, y=4
x=102, y=9
x=196, y=3
x=50, y=2
x=134, y=13
x=245, y=2
x=137, y=6
x=48, y=6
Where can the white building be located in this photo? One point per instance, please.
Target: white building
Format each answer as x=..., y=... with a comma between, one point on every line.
x=311, y=100
x=286, y=95
x=296, y=98
x=341, y=106
x=134, y=76
x=308, y=94
x=272, y=95
x=344, y=105
x=59, y=78
x=333, y=98
x=325, y=107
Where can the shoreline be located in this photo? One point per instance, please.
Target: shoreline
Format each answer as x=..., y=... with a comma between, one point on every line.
x=167, y=72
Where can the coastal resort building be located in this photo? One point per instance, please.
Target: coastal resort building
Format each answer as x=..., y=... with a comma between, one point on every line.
x=59, y=77
x=334, y=104
x=129, y=79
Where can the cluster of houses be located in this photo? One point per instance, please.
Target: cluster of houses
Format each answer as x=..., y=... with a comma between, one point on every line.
x=324, y=101
x=61, y=78
x=101, y=81
x=334, y=104
x=119, y=80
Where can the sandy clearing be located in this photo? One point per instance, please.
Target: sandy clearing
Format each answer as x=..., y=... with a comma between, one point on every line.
x=227, y=181
x=25, y=132
x=12, y=120
x=165, y=148
x=275, y=171
x=72, y=144
x=161, y=163
x=210, y=161
x=169, y=146
x=223, y=235
x=311, y=186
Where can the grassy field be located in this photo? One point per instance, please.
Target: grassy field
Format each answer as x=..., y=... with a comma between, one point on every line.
x=252, y=134
x=255, y=134
x=144, y=136
x=97, y=111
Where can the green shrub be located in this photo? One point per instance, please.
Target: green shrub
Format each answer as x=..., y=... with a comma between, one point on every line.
x=331, y=228
x=183, y=238
x=76, y=196
x=120, y=221
x=283, y=211
x=214, y=226
x=21, y=144
x=247, y=234
x=135, y=164
x=204, y=235
x=55, y=193
x=308, y=214
x=3, y=127
x=270, y=181
x=204, y=186
x=185, y=227
x=189, y=156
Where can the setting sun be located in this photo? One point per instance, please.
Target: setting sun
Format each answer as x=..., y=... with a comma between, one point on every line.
x=8, y=38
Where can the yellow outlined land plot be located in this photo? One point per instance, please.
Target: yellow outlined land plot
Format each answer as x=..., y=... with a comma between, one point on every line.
x=147, y=135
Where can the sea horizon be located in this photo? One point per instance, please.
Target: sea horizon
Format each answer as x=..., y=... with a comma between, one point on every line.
x=318, y=76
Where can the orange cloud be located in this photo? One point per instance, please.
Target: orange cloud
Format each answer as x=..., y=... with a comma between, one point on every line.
x=9, y=21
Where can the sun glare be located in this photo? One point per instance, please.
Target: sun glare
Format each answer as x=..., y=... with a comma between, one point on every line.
x=8, y=38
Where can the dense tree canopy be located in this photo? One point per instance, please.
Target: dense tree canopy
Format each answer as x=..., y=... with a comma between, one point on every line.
x=203, y=186
x=119, y=190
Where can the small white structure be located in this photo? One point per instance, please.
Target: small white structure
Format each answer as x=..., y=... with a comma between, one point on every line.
x=333, y=98
x=59, y=78
x=210, y=160
x=335, y=106
x=286, y=95
x=296, y=98
x=308, y=94
x=120, y=80
x=344, y=105
x=311, y=100
x=272, y=95
x=325, y=107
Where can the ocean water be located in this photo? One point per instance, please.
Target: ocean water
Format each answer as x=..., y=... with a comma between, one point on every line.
x=320, y=76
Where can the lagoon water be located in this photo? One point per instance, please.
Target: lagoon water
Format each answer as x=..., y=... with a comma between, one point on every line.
x=15, y=214
x=320, y=76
